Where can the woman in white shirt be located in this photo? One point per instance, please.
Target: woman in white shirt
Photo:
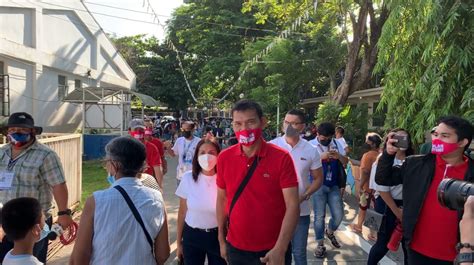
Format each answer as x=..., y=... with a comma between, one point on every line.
x=197, y=221
x=109, y=232
x=389, y=204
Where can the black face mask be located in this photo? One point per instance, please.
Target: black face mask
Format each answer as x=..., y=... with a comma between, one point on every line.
x=187, y=134
x=325, y=142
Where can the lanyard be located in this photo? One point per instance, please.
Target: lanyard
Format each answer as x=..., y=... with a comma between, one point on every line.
x=186, y=149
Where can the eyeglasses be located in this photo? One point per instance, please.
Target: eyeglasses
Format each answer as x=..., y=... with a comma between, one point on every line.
x=293, y=124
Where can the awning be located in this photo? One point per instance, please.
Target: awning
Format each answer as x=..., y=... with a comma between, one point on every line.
x=96, y=95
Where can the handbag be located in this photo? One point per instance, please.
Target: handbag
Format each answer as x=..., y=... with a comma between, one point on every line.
x=373, y=219
x=137, y=216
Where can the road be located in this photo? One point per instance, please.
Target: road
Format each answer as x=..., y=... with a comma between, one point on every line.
x=354, y=249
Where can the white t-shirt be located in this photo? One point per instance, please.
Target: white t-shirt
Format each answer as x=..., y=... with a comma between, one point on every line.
x=342, y=142
x=20, y=259
x=395, y=191
x=201, y=197
x=185, y=149
x=306, y=158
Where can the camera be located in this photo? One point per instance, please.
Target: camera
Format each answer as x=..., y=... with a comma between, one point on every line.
x=453, y=193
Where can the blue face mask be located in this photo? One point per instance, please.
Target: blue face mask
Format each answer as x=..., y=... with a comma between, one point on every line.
x=111, y=179
x=19, y=139
x=44, y=233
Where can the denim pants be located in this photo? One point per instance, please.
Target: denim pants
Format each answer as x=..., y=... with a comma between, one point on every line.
x=379, y=249
x=332, y=197
x=40, y=249
x=300, y=240
x=237, y=256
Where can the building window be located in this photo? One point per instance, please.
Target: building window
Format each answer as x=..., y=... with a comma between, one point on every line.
x=378, y=117
x=4, y=92
x=77, y=84
x=62, y=87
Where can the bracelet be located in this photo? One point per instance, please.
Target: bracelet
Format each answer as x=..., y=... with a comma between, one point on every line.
x=460, y=246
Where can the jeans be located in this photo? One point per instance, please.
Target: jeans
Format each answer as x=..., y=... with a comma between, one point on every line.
x=300, y=240
x=40, y=249
x=332, y=197
x=198, y=244
x=379, y=249
x=236, y=256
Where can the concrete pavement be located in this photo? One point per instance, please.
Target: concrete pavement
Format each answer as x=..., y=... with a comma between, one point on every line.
x=354, y=248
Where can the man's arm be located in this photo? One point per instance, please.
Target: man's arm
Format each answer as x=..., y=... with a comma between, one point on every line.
x=60, y=194
x=162, y=243
x=222, y=220
x=387, y=174
x=317, y=175
x=277, y=254
x=364, y=178
x=158, y=175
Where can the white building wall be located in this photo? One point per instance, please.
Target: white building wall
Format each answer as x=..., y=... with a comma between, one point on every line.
x=39, y=41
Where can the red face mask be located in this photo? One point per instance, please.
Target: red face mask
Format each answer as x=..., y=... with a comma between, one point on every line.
x=248, y=137
x=138, y=135
x=439, y=147
x=148, y=132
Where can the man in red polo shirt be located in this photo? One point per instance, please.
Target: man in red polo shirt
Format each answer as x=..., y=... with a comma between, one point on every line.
x=153, y=160
x=157, y=142
x=264, y=217
x=430, y=230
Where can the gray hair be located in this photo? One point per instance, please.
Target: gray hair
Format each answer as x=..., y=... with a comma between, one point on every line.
x=129, y=153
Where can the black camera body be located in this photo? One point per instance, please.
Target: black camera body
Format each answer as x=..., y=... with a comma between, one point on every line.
x=453, y=193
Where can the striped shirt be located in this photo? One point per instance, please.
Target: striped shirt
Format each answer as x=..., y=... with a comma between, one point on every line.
x=118, y=238
x=35, y=171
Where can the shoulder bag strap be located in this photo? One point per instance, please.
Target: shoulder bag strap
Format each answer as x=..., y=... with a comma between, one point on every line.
x=136, y=214
x=242, y=186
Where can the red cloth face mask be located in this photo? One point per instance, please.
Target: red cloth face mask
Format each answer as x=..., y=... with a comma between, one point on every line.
x=138, y=135
x=248, y=137
x=439, y=147
x=148, y=132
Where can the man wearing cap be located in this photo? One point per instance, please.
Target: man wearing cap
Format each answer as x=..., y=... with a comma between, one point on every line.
x=153, y=160
x=157, y=142
x=29, y=168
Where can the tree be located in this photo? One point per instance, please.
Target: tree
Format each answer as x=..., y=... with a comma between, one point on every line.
x=426, y=51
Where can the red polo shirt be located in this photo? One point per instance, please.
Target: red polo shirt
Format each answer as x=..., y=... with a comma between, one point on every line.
x=153, y=157
x=258, y=213
x=158, y=145
x=436, y=232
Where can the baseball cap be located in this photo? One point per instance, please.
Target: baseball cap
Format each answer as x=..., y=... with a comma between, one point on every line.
x=136, y=123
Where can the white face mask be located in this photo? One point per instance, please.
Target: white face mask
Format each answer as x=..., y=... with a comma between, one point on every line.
x=207, y=161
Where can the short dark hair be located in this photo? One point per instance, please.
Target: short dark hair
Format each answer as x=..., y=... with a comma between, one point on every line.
x=196, y=167
x=129, y=153
x=19, y=216
x=326, y=129
x=462, y=127
x=374, y=138
x=340, y=129
x=298, y=113
x=248, y=104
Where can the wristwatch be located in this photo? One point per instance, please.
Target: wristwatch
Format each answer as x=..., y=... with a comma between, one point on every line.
x=464, y=258
x=65, y=212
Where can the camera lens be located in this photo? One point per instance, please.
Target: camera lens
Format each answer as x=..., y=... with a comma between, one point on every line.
x=453, y=193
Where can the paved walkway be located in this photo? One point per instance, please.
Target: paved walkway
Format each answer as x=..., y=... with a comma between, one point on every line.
x=354, y=249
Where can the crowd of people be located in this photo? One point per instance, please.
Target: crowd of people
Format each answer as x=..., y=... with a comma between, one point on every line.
x=247, y=202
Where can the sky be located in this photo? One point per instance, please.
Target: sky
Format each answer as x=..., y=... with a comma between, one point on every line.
x=104, y=10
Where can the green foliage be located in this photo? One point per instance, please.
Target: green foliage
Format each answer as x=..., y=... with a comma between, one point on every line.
x=328, y=112
x=426, y=51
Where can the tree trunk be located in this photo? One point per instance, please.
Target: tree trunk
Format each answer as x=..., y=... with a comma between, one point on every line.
x=357, y=80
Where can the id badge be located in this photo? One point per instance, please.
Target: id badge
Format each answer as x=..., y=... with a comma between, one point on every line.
x=6, y=179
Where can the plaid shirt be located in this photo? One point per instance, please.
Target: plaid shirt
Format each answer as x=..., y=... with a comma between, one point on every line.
x=36, y=170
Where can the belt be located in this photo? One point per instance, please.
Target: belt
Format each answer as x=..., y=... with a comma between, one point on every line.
x=207, y=230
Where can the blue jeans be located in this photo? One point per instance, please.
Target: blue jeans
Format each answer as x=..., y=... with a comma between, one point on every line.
x=300, y=240
x=332, y=197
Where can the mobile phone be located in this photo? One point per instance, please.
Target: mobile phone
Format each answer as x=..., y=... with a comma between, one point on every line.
x=402, y=141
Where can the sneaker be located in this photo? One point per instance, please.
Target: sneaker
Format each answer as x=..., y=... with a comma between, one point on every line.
x=320, y=252
x=333, y=239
